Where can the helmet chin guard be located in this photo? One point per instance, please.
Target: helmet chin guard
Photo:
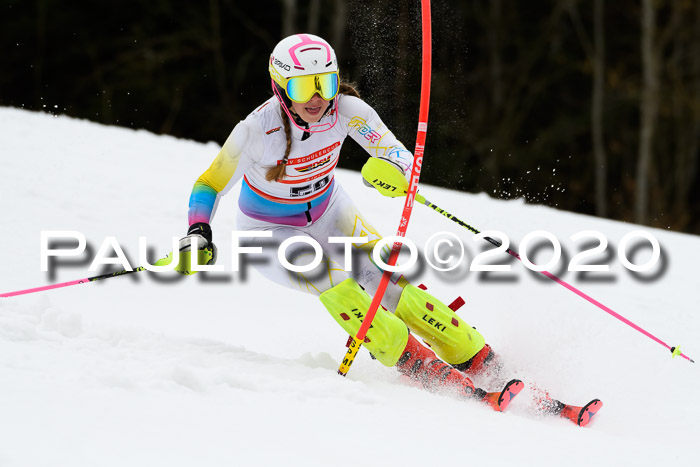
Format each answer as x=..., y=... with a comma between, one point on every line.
x=299, y=55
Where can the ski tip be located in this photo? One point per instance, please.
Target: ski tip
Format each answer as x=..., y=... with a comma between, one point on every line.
x=509, y=392
x=588, y=411
x=499, y=401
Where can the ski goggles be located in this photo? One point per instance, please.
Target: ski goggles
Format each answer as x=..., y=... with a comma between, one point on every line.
x=301, y=89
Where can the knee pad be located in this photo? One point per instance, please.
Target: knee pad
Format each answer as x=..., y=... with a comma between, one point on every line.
x=348, y=304
x=452, y=339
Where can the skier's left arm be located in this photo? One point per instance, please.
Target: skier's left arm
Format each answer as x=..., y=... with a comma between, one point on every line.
x=391, y=162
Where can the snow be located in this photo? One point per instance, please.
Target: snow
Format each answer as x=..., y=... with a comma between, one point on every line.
x=142, y=370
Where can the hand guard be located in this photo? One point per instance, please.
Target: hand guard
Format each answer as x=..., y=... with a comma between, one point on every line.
x=200, y=234
x=388, y=178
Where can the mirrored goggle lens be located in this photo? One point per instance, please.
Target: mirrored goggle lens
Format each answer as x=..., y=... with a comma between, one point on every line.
x=302, y=88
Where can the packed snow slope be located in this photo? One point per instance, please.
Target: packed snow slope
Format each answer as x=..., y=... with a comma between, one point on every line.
x=144, y=370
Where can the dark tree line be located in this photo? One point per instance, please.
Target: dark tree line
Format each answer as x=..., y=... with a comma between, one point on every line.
x=590, y=106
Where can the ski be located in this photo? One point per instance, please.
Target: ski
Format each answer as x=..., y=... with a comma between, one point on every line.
x=499, y=400
x=581, y=416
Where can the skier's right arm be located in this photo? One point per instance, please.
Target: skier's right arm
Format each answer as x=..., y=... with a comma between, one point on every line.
x=235, y=157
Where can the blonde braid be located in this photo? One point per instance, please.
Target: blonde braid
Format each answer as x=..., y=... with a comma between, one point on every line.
x=279, y=171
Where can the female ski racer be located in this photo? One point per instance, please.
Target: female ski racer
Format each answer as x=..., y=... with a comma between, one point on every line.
x=285, y=152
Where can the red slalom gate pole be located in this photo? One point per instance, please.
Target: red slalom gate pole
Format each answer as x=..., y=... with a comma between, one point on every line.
x=359, y=338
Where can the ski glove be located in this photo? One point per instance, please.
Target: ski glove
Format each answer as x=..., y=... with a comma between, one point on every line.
x=201, y=234
x=384, y=175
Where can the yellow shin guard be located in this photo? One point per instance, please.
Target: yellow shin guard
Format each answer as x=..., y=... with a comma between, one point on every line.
x=348, y=304
x=452, y=339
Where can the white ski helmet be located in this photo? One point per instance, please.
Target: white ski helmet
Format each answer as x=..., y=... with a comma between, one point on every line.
x=300, y=66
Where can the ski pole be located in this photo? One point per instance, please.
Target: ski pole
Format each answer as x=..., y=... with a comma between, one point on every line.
x=160, y=262
x=359, y=338
x=675, y=350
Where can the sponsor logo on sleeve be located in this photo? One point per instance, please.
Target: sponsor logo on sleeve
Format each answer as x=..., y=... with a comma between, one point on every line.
x=364, y=129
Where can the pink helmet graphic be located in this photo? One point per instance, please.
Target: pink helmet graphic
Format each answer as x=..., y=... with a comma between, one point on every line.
x=302, y=54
